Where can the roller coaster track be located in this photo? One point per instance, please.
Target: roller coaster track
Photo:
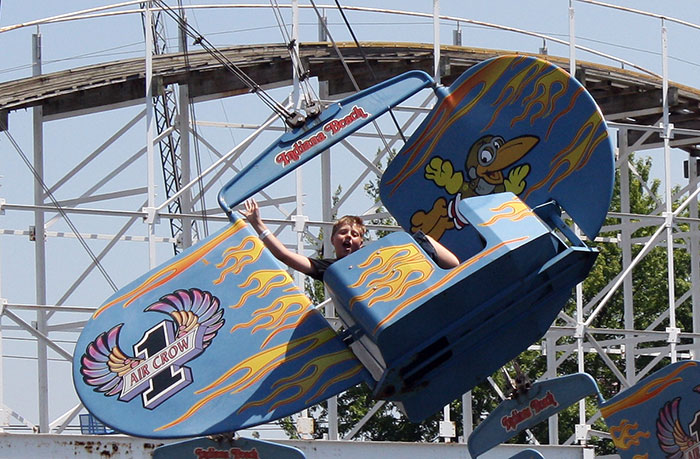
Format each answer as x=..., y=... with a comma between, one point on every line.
x=623, y=95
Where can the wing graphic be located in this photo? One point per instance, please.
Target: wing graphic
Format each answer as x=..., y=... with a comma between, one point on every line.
x=190, y=308
x=673, y=440
x=104, y=364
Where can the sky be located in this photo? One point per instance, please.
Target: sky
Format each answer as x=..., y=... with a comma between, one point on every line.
x=633, y=37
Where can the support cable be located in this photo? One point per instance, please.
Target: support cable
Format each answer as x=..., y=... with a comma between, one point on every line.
x=311, y=100
x=352, y=78
x=366, y=61
x=58, y=207
x=291, y=118
x=169, y=146
x=193, y=121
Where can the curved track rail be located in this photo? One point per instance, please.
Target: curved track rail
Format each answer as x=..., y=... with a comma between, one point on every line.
x=624, y=96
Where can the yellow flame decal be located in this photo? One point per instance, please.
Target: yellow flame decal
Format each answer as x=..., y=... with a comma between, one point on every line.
x=440, y=283
x=549, y=85
x=253, y=369
x=300, y=385
x=514, y=88
x=513, y=210
x=399, y=268
x=445, y=116
x=172, y=270
x=623, y=437
x=340, y=377
x=574, y=156
x=241, y=255
x=646, y=392
x=273, y=317
x=641, y=456
x=266, y=280
x=572, y=103
x=549, y=88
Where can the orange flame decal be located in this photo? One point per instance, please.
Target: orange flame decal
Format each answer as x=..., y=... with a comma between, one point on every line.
x=513, y=210
x=301, y=385
x=623, y=437
x=445, y=116
x=514, y=88
x=572, y=104
x=266, y=280
x=172, y=270
x=440, y=283
x=399, y=267
x=646, y=392
x=548, y=87
x=241, y=257
x=273, y=317
x=253, y=369
x=574, y=156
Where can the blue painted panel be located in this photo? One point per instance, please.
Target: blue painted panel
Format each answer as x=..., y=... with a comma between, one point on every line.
x=215, y=340
x=481, y=344
x=441, y=332
x=659, y=416
x=526, y=410
x=391, y=286
x=334, y=124
x=527, y=454
x=511, y=123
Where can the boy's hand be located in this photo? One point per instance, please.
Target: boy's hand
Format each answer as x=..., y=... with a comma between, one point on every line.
x=252, y=214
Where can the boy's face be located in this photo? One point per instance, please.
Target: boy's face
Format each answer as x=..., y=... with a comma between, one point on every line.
x=346, y=240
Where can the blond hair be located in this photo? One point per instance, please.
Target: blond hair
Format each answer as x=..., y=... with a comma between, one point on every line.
x=352, y=220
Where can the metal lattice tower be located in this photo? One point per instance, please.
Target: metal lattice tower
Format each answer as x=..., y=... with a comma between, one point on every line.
x=169, y=130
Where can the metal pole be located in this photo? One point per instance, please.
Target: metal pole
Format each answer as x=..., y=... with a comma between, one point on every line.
x=327, y=216
x=672, y=330
x=436, y=39
x=694, y=256
x=582, y=428
x=446, y=419
x=4, y=415
x=467, y=416
x=626, y=242
x=299, y=217
x=330, y=306
x=40, y=246
x=150, y=157
x=184, y=128
x=572, y=40
x=296, y=100
x=550, y=343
